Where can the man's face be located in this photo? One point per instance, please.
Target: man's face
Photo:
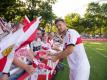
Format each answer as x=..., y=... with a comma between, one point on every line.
x=39, y=34
x=45, y=37
x=51, y=35
x=61, y=26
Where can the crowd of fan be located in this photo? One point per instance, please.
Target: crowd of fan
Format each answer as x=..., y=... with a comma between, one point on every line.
x=44, y=41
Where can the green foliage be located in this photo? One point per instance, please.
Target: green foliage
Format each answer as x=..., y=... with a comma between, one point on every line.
x=73, y=20
x=93, y=22
x=68, y=21
x=40, y=8
x=11, y=8
x=49, y=28
x=14, y=10
x=96, y=13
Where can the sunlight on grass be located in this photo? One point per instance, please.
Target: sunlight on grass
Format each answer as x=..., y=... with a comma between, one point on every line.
x=100, y=49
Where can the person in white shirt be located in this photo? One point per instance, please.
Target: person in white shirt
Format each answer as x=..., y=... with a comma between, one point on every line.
x=74, y=51
x=36, y=44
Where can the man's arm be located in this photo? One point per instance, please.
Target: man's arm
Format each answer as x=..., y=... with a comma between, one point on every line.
x=56, y=47
x=63, y=54
x=30, y=69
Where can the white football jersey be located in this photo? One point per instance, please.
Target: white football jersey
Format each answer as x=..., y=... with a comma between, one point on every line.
x=78, y=58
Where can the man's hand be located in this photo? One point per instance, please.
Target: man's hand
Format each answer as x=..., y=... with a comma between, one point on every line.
x=55, y=47
x=63, y=54
x=30, y=69
x=54, y=58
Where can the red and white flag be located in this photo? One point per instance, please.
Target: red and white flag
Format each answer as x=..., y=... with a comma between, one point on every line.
x=26, y=20
x=14, y=41
x=2, y=24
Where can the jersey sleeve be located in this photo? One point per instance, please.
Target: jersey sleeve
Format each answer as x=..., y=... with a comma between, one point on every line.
x=71, y=37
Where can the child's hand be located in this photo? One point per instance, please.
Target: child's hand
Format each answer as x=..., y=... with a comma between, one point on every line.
x=4, y=77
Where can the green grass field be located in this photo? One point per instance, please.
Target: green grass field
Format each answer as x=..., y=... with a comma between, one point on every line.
x=97, y=55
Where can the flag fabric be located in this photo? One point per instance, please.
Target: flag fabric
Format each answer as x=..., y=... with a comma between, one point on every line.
x=2, y=23
x=6, y=62
x=14, y=41
x=29, y=35
x=26, y=20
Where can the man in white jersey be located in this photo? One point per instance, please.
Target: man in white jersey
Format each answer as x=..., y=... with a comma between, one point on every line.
x=74, y=51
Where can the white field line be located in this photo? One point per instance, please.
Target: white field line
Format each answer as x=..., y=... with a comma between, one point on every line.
x=98, y=52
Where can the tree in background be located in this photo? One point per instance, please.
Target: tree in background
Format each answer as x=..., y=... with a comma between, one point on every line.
x=96, y=12
x=14, y=10
x=10, y=9
x=73, y=21
x=93, y=22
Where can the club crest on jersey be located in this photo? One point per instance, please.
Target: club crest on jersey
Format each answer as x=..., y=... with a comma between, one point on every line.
x=65, y=45
x=7, y=51
x=69, y=37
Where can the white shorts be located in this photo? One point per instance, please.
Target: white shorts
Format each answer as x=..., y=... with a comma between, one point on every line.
x=82, y=74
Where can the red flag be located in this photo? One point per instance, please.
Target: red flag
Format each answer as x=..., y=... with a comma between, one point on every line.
x=20, y=38
x=26, y=20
